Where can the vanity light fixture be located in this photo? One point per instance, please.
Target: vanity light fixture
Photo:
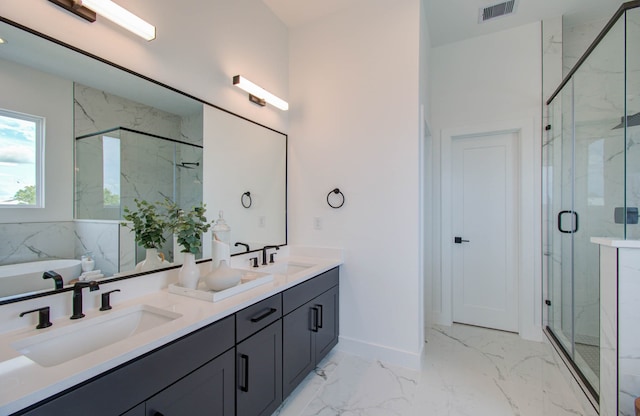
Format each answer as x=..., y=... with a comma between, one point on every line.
x=87, y=9
x=258, y=94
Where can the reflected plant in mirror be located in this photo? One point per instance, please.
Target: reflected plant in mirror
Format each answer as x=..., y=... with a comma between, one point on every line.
x=188, y=226
x=148, y=225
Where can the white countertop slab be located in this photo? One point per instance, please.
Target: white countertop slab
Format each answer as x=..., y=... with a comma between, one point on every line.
x=613, y=242
x=24, y=382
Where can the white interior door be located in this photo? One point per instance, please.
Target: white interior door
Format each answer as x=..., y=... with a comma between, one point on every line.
x=484, y=218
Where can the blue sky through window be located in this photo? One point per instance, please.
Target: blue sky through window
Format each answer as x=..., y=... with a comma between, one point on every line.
x=17, y=156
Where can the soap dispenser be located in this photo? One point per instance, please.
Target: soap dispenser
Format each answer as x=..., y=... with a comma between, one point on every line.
x=220, y=239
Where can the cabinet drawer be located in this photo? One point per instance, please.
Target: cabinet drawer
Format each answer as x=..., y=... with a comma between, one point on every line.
x=299, y=295
x=255, y=317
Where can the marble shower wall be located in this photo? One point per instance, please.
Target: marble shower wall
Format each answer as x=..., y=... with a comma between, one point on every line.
x=96, y=110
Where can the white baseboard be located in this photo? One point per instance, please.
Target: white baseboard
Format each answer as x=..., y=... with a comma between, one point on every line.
x=400, y=358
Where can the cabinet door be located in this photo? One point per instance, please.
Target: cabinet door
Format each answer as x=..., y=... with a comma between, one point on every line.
x=139, y=410
x=207, y=391
x=259, y=372
x=298, y=348
x=326, y=325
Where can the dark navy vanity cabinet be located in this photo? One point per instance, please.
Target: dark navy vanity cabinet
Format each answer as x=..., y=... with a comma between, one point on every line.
x=244, y=364
x=310, y=326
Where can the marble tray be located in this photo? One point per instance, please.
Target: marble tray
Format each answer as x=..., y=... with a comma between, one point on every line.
x=248, y=281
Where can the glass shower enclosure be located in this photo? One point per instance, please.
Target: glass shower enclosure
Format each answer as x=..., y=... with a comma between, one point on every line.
x=116, y=166
x=591, y=184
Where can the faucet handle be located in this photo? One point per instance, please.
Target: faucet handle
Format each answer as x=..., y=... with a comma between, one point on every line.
x=43, y=317
x=271, y=256
x=106, y=300
x=254, y=261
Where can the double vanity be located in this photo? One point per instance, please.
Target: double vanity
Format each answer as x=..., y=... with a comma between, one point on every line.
x=163, y=353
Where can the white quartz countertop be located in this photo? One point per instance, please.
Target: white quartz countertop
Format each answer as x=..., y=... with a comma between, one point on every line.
x=613, y=242
x=24, y=382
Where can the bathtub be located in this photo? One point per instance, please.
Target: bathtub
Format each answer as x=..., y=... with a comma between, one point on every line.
x=16, y=279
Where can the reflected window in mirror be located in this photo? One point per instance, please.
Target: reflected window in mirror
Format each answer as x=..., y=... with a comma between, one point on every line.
x=111, y=171
x=21, y=144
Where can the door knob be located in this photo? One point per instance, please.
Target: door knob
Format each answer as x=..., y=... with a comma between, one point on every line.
x=459, y=240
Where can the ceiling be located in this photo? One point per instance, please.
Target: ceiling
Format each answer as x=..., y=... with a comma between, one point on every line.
x=454, y=20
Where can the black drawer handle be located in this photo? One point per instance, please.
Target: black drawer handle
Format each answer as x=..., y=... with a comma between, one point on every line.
x=314, y=319
x=244, y=386
x=320, y=316
x=158, y=414
x=263, y=315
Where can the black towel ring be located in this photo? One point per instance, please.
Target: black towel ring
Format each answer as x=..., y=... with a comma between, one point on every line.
x=246, y=197
x=332, y=201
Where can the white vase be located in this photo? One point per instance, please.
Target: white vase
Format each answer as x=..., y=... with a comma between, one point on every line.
x=189, y=272
x=222, y=277
x=151, y=261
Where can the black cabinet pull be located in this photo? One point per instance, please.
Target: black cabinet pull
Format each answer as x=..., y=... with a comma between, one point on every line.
x=158, y=414
x=459, y=240
x=575, y=223
x=263, y=315
x=314, y=319
x=244, y=386
x=319, y=318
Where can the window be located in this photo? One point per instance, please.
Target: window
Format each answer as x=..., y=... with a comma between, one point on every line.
x=21, y=160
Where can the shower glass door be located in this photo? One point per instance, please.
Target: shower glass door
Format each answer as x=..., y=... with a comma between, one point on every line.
x=585, y=159
x=561, y=219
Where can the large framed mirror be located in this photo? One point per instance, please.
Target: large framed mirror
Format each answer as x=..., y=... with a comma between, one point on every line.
x=109, y=136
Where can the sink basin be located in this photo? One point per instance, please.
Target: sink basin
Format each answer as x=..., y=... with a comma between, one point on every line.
x=58, y=346
x=289, y=268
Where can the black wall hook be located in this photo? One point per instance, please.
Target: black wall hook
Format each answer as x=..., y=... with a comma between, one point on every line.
x=335, y=198
x=245, y=199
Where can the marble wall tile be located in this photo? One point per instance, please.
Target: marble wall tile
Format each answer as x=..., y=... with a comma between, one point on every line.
x=97, y=111
x=101, y=240
x=628, y=333
x=608, y=332
x=37, y=241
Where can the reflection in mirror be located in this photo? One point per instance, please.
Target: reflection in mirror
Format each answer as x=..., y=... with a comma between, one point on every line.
x=246, y=158
x=133, y=138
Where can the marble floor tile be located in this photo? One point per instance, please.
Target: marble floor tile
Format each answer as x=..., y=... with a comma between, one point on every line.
x=467, y=371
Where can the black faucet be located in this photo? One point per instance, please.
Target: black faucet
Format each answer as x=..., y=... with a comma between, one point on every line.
x=264, y=253
x=77, y=297
x=56, y=278
x=246, y=246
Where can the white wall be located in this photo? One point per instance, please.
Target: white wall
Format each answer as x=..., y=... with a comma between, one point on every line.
x=28, y=91
x=487, y=80
x=355, y=125
x=200, y=46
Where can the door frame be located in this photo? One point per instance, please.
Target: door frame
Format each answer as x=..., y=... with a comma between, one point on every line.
x=528, y=157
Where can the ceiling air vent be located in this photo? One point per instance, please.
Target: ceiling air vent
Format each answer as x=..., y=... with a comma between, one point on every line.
x=497, y=10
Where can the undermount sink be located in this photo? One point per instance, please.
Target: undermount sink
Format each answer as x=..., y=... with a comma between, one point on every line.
x=289, y=268
x=58, y=346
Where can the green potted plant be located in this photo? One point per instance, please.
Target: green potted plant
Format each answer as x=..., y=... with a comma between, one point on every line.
x=188, y=227
x=148, y=225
